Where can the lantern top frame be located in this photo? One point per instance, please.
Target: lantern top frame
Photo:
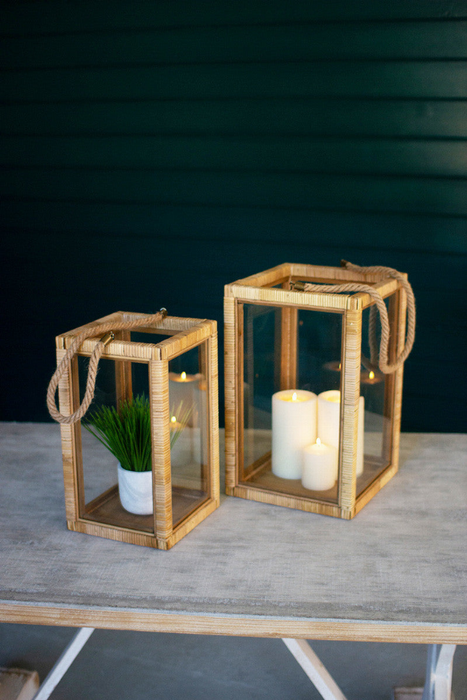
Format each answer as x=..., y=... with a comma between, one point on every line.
x=262, y=287
x=185, y=332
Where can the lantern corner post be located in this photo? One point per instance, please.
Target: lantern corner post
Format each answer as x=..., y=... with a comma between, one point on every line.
x=350, y=397
x=160, y=447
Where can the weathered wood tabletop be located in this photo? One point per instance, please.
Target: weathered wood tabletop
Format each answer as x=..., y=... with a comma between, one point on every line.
x=397, y=572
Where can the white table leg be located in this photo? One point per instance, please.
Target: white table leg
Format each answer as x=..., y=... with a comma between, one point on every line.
x=314, y=669
x=64, y=663
x=439, y=672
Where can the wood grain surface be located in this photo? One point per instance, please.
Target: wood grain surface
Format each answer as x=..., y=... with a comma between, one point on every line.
x=397, y=572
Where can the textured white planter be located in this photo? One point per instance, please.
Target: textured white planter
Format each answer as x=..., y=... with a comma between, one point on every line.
x=135, y=491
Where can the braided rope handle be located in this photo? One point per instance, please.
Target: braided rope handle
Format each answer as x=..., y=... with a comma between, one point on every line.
x=108, y=329
x=382, y=362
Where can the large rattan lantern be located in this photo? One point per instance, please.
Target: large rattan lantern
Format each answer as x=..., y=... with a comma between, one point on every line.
x=156, y=397
x=313, y=384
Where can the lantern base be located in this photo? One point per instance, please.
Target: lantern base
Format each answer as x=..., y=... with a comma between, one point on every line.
x=261, y=477
x=108, y=510
x=137, y=531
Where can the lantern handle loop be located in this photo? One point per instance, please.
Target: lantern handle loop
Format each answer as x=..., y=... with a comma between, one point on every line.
x=376, y=362
x=107, y=331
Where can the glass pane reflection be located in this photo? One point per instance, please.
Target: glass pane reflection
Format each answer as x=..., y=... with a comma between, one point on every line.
x=286, y=350
x=189, y=431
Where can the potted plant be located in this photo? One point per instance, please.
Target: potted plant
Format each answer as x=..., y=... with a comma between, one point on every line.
x=126, y=433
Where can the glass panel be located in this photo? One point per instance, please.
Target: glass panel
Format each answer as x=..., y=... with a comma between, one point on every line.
x=261, y=381
x=289, y=357
x=377, y=392
x=189, y=454
x=117, y=495
x=319, y=350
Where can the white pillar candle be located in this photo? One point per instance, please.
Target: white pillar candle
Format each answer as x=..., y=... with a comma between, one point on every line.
x=293, y=427
x=329, y=409
x=319, y=466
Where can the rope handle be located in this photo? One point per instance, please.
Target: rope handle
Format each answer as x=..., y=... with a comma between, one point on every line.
x=108, y=329
x=382, y=362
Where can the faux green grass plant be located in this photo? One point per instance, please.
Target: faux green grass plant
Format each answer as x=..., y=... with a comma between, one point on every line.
x=127, y=433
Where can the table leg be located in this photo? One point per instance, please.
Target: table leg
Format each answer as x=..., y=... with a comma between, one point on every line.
x=438, y=676
x=64, y=663
x=439, y=672
x=314, y=669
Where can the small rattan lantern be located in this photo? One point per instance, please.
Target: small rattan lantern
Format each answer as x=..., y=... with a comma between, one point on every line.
x=312, y=410
x=158, y=370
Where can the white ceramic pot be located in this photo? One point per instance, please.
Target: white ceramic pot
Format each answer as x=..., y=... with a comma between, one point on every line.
x=135, y=491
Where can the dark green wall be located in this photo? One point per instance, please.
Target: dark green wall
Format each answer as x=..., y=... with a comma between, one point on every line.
x=153, y=151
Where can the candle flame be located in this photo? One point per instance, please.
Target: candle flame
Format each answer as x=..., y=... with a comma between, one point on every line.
x=173, y=419
x=294, y=396
x=340, y=365
x=318, y=441
x=183, y=376
x=371, y=375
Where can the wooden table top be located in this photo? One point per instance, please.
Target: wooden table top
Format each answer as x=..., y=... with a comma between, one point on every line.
x=397, y=572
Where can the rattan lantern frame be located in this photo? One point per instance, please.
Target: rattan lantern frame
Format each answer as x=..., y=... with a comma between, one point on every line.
x=274, y=287
x=184, y=334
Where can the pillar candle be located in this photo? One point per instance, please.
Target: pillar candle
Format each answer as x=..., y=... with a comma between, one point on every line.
x=329, y=409
x=319, y=466
x=293, y=427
